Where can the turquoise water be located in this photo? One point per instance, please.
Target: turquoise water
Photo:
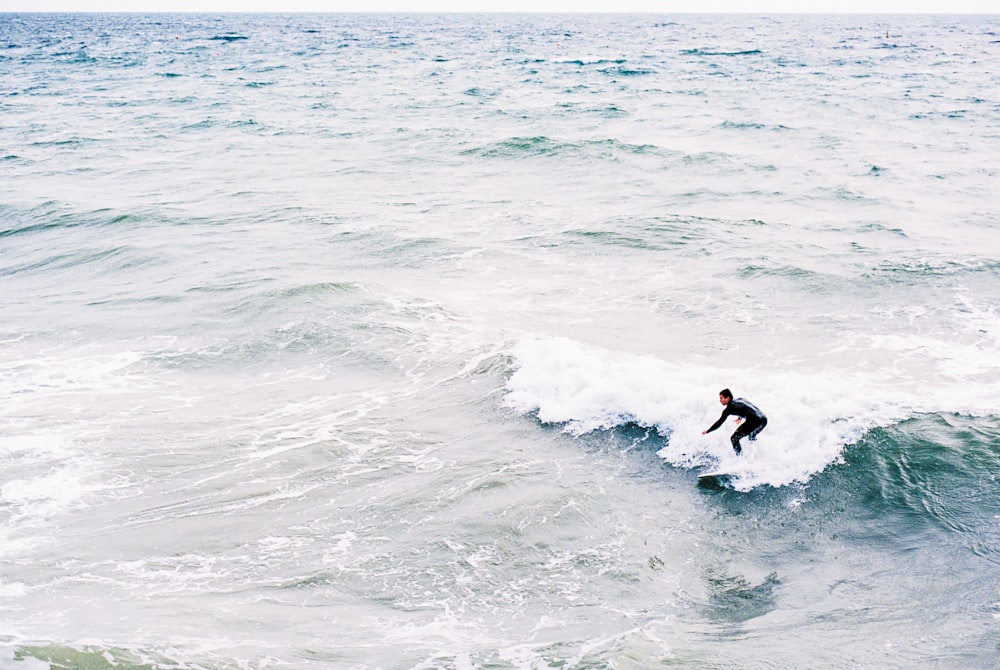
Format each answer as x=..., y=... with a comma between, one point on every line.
x=381, y=341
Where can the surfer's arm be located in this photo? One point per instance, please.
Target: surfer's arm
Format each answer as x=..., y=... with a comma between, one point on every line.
x=718, y=423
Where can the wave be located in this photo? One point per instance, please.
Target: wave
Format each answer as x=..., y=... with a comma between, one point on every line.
x=66, y=142
x=520, y=147
x=803, y=276
x=608, y=111
x=908, y=270
x=477, y=92
x=582, y=62
x=929, y=474
x=712, y=52
x=666, y=231
x=50, y=215
x=749, y=125
x=584, y=389
x=611, y=238
x=622, y=71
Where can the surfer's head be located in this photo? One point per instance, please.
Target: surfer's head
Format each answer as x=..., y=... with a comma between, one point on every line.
x=725, y=395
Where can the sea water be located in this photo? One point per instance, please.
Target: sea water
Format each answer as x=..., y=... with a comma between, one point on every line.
x=387, y=341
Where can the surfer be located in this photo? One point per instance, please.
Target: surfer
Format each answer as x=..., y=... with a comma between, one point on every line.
x=753, y=419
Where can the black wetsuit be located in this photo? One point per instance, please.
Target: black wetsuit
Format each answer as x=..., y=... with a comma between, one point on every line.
x=753, y=421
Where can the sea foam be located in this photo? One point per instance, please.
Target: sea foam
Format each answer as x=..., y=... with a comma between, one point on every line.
x=812, y=416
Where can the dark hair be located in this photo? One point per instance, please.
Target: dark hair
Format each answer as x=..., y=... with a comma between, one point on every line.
x=726, y=393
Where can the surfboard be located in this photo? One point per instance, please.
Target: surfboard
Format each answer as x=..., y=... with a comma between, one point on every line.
x=716, y=479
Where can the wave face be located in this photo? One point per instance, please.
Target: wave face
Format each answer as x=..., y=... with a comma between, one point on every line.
x=587, y=389
x=387, y=341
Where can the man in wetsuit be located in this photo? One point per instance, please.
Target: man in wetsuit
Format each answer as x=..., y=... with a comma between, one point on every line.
x=753, y=419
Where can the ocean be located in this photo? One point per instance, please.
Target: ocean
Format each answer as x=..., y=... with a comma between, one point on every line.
x=387, y=341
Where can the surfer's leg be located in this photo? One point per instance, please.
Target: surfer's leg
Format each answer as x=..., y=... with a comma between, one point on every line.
x=755, y=431
x=738, y=435
x=749, y=428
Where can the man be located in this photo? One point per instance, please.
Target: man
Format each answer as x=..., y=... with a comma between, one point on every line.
x=753, y=419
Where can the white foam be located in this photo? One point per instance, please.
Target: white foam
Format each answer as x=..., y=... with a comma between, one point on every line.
x=813, y=414
x=58, y=403
x=52, y=372
x=10, y=660
x=12, y=590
